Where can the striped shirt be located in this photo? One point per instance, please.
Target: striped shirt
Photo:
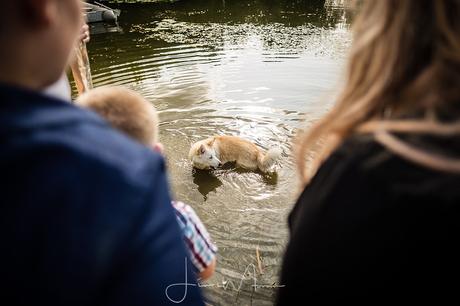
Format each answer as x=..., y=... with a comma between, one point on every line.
x=197, y=239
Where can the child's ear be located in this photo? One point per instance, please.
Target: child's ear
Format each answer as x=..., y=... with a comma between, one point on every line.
x=202, y=149
x=158, y=147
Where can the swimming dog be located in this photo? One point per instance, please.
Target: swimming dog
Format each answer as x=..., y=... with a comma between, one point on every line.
x=218, y=150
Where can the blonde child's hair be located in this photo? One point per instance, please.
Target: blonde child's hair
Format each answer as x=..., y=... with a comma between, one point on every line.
x=125, y=110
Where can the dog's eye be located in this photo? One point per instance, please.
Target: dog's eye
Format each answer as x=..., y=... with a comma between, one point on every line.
x=210, y=157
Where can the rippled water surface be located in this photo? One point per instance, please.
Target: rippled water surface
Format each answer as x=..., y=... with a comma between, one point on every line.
x=246, y=68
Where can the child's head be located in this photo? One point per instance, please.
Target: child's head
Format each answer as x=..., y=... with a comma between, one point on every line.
x=125, y=110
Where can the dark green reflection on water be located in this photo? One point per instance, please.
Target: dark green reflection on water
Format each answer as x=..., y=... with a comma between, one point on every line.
x=288, y=12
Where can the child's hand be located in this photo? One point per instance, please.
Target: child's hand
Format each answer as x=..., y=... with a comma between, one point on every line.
x=84, y=34
x=208, y=272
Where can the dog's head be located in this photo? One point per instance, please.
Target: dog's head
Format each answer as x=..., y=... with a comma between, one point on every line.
x=203, y=155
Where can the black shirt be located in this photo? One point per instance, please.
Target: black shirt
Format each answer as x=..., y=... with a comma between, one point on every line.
x=372, y=228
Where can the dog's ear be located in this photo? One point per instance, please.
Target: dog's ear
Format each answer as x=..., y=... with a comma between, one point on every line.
x=211, y=142
x=202, y=149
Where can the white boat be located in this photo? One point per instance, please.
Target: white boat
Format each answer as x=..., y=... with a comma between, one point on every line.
x=100, y=13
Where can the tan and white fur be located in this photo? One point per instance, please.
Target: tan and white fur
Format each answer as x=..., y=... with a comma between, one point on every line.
x=218, y=150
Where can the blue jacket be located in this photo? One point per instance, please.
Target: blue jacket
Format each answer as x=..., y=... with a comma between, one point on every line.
x=85, y=212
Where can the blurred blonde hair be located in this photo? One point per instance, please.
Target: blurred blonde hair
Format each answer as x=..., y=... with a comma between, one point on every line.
x=403, y=73
x=125, y=110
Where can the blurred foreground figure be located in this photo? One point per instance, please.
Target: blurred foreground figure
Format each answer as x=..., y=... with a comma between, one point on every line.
x=378, y=220
x=86, y=216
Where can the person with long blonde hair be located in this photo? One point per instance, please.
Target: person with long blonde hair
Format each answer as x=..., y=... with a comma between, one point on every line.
x=378, y=219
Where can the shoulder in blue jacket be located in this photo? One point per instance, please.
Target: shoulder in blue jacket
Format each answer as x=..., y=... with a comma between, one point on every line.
x=85, y=215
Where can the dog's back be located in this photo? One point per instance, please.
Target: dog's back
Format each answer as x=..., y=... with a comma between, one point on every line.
x=245, y=153
x=236, y=149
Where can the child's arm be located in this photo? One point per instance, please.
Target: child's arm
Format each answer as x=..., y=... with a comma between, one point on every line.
x=197, y=239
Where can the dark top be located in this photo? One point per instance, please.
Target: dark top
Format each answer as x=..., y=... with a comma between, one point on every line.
x=372, y=228
x=85, y=217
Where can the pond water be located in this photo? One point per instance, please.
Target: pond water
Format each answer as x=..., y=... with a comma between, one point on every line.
x=257, y=69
